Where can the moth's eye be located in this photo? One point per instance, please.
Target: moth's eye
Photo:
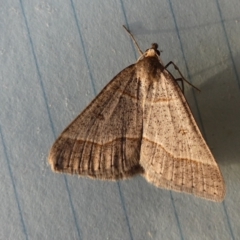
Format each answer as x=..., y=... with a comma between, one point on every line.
x=154, y=46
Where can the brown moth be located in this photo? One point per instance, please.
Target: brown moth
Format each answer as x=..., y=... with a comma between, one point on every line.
x=140, y=123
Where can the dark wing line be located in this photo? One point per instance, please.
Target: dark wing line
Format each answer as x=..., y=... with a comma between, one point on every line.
x=189, y=112
x=103, y=108
x=57, y=154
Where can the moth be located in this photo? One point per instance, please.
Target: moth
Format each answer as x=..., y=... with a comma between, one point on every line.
x=140, y=123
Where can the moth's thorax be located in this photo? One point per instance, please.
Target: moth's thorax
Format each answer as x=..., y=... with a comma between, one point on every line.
x=149, y=67
x=151, y=53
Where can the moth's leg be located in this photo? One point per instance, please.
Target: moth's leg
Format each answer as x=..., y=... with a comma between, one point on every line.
x=183, y=78
x=180, y=80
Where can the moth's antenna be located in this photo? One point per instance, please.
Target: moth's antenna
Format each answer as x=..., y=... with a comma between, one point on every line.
x=140, y=51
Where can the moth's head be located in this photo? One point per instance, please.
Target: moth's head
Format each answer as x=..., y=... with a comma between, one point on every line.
x=153, y=51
